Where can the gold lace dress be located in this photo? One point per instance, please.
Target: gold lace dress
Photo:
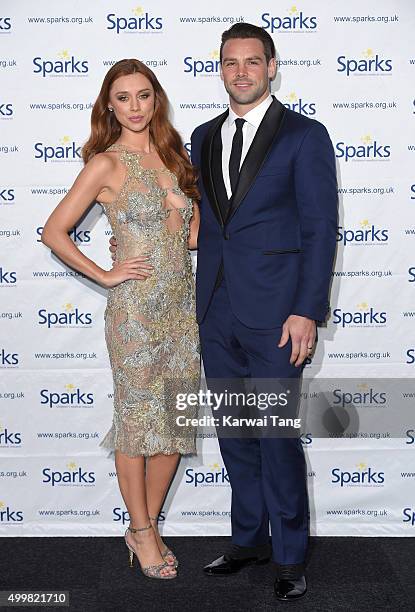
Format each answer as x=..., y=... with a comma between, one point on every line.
x=150, y=326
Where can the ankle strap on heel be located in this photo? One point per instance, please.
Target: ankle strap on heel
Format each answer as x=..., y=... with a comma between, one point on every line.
x=134, y=530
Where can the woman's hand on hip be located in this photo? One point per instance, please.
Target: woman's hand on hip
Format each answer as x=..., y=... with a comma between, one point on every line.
x=135, y=268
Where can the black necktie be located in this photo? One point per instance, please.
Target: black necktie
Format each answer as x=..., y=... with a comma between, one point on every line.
x=236, y=152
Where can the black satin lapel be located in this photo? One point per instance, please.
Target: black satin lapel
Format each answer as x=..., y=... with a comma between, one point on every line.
x=217, y=174
x=264, y=138
x=206, y=165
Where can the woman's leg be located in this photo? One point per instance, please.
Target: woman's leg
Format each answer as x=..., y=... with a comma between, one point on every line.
x=160, y=470
x=132, y=483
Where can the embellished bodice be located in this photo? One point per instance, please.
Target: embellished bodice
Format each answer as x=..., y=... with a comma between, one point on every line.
x=151, y=215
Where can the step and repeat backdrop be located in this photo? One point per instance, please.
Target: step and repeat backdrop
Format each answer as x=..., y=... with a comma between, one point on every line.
x=350, y=66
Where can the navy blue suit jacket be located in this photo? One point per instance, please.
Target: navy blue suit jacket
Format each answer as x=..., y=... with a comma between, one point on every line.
x=277, y=239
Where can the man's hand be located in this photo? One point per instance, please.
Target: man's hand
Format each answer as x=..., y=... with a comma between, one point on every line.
x=113, y=249
x=303, y=336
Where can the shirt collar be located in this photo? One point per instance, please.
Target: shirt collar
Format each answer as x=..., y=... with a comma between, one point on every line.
x=255, y=115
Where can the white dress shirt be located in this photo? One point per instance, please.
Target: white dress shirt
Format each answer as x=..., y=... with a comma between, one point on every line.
x=252, y=120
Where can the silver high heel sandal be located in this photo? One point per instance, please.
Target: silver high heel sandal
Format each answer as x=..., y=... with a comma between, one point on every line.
x=151, y=571
x=167, y=552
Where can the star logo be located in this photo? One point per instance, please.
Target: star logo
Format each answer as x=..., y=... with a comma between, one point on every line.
x=361, y=465
x=215, y=466
x=138, y=10
x=292, y=97
x=363, y=386
x=364, y=223
x=2, y=504
x=214, y=54
x=367, y=139
x=65, y=139
x=368, y=53
x=70, y=387
x=293, y=10
x=64, y=54
x=68, y=307
x=363, y=306
x=71, y=465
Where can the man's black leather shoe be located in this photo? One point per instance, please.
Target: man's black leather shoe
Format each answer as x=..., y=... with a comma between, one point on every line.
x=287, y=589
x=226, y=565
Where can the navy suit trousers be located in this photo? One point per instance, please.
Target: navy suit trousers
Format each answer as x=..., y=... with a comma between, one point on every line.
x=267, y=475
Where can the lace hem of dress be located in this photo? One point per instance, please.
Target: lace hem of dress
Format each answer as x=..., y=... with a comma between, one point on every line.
x=113, y=442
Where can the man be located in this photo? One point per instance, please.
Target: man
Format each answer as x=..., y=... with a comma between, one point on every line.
x=265, y=255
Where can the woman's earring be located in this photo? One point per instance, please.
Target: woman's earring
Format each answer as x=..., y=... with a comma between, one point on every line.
x=110, y=109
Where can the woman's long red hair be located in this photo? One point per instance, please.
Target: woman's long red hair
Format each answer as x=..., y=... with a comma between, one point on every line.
x=105, y=129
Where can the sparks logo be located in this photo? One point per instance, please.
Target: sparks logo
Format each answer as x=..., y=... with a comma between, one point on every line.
x=294, y=21
x=79, y=236
x=9, y=438
x=72, y=397
x=369, y=64
x=409, y=516
x=120, y=516
x=6, y=111
x=306, y=439
x=141, y=22
x=68, y=316
x=363, y=316
x=9, y=515
x=299, y=105
x=67, y=65
x=215, y=475
x=364, y=396
x=367, y=234
x=7, y=278
x=66, y=151
x=370, y=150
x=5, y=25
x=364, y=476
x=8, y=360
x=206, y=67
x=73, y=476
x=7, y=195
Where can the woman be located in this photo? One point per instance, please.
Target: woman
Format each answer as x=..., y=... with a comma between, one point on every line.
x=137, y=168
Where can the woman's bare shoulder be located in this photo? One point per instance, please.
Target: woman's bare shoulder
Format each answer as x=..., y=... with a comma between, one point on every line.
x=103, y=162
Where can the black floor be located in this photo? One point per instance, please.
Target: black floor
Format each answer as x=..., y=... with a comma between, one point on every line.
x=343, y=574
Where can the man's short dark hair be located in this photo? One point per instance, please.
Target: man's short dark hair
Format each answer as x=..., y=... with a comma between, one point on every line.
x=248, y=30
